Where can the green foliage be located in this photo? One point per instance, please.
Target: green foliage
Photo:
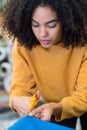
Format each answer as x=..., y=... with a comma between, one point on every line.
x=2, y=4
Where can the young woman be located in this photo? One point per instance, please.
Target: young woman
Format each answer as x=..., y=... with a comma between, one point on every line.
x=50, y=58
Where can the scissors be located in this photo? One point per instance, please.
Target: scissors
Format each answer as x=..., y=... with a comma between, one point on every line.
x=33, y=102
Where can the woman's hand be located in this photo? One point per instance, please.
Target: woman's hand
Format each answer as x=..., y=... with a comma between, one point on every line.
x=21, y=104
x=47, y=110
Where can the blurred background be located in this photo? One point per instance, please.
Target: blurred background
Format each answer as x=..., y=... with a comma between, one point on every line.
x=7, y=117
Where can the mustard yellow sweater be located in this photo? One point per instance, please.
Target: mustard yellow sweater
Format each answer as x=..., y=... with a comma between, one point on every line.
x=59, y=73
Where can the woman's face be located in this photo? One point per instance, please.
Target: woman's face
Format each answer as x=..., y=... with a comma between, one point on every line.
x=46, y=27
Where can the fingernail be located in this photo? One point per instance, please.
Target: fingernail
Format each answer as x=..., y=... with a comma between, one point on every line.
x=30, y=114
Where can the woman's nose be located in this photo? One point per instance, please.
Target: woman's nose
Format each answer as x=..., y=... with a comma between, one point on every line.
x=43, y=32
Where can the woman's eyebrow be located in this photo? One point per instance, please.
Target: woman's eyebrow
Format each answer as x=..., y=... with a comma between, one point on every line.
x=54, y=20
x=34, y=21
x=51, y=21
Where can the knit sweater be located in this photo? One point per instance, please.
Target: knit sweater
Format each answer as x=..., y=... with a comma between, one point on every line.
x=60, y=74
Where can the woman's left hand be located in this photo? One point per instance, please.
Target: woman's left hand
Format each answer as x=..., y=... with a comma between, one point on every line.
x=47, y=110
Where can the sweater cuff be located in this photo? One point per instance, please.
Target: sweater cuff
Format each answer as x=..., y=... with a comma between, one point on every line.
x=65, y=112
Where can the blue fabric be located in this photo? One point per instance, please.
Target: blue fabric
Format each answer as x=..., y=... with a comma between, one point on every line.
x=32, y=123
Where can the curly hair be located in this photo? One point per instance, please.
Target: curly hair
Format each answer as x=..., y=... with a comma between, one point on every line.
x=72, y=14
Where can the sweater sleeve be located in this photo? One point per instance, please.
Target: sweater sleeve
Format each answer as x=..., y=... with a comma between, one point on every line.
x=76, y=104
x=23, y=83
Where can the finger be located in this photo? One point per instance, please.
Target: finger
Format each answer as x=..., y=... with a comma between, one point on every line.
x=22, y=110
x=35, y=111
x=45, y=118
x=38, y=94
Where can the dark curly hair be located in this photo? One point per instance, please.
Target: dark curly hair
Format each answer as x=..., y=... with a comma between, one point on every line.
x=72, y=14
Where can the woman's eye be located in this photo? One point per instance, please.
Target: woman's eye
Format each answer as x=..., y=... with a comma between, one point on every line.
x=35, y=25
x=52, y=25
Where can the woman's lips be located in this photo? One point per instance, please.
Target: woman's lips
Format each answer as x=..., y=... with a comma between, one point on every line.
x=45, y=42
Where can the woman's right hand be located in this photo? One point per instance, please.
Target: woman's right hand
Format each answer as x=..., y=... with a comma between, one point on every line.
x=21, y=104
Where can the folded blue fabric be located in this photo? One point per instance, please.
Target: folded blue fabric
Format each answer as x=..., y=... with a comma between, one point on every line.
x=32, y=123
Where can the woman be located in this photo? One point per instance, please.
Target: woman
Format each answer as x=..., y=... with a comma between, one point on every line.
x=50, y=58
